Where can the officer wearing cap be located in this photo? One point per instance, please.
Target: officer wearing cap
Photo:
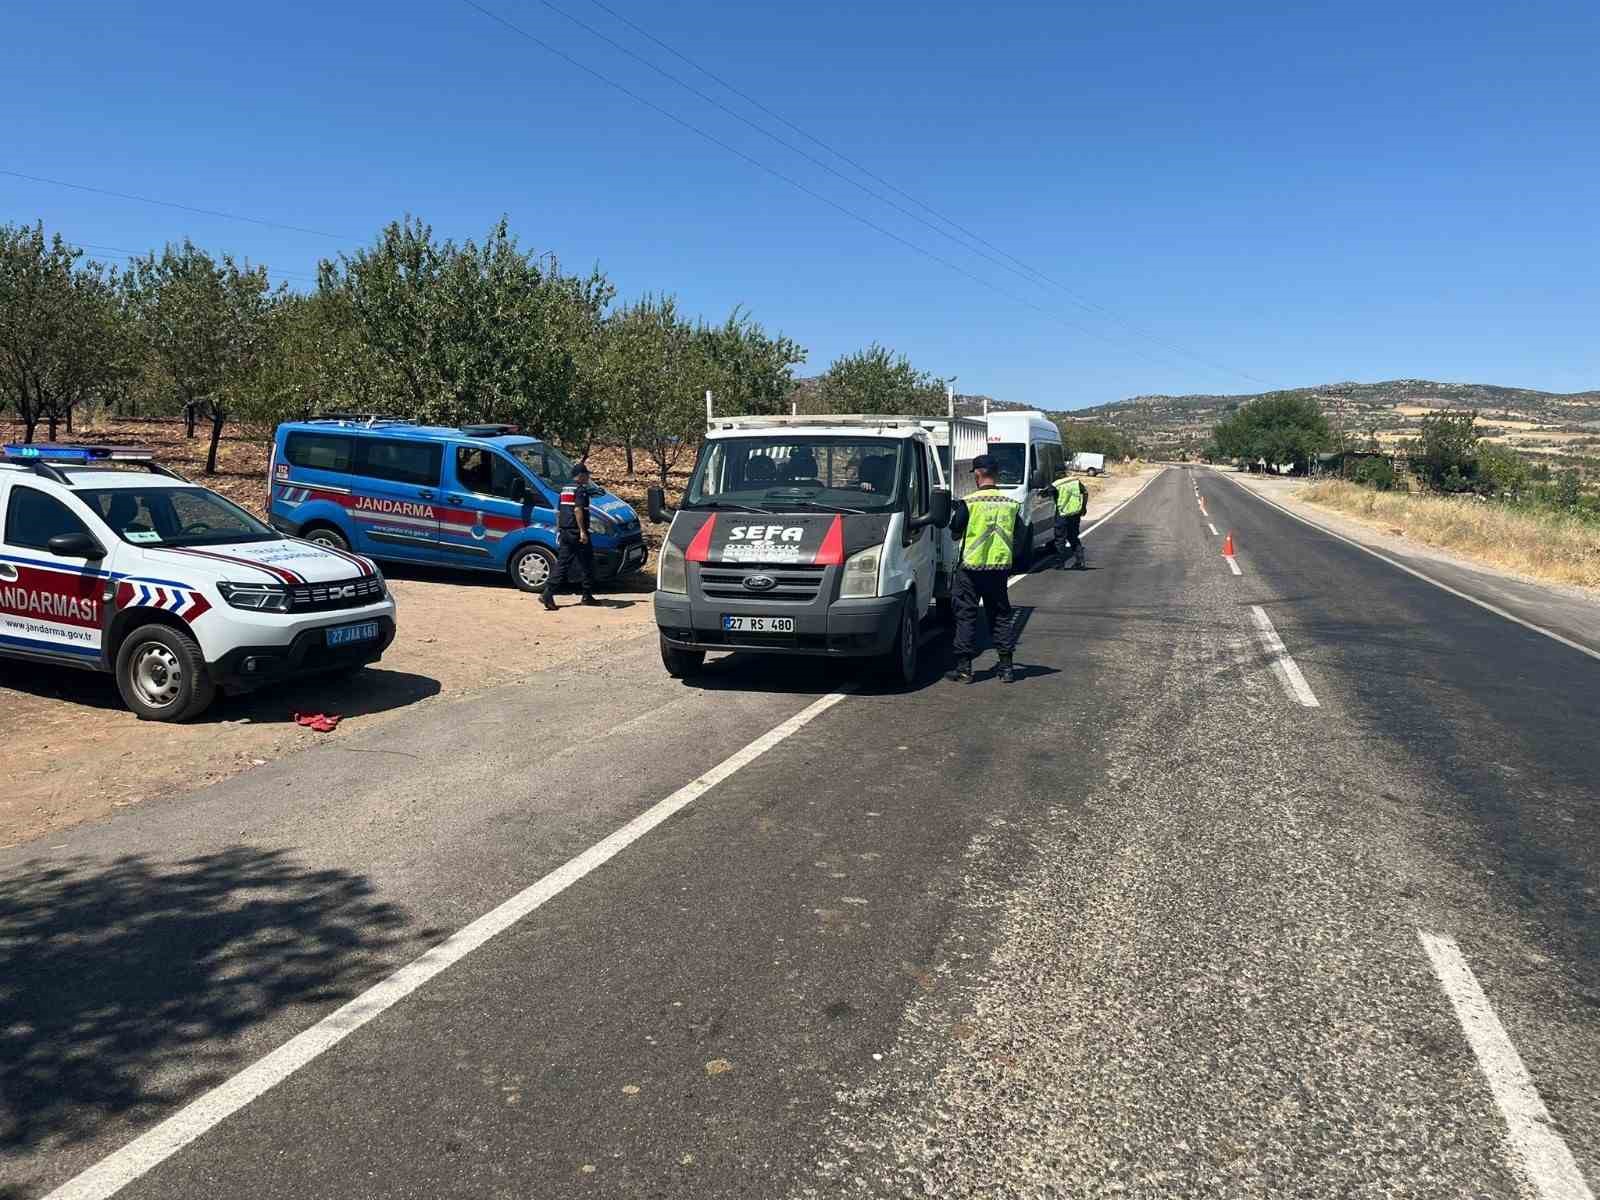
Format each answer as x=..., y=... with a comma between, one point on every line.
x=575, y=551
x=986, y=524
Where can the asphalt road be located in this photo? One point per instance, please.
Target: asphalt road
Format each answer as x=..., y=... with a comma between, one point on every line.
x=1144, y=922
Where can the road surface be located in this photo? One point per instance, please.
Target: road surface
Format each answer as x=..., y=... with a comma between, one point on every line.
x=1276, y=882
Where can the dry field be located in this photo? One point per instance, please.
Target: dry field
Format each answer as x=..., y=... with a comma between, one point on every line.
x=1544, y=546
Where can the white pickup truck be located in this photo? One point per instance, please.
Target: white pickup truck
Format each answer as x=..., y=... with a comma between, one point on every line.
x=814, y=535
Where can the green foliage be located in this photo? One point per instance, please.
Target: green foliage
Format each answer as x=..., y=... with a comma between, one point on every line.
x=1501, y=471
x=875, y=380
x=208, y=327
x=1445, y=456
x=1094, y=437
x=475, y=332
x=654, y=372
x=1374, y=473
x=1280, y=428
x=1568, y=490
x=755, y=371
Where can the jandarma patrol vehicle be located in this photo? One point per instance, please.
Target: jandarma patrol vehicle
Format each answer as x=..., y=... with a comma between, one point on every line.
x=110, y=562
x=813, y=535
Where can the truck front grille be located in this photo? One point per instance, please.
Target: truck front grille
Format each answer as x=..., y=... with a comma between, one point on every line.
x=329, y=597
x=795, y=584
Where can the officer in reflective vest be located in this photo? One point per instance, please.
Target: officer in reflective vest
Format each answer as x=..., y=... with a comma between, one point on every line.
x=986, y=524
x=575, y=552
x=1072, y=501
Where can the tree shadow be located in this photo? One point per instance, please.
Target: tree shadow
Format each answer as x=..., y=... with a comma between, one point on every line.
x=125, y=984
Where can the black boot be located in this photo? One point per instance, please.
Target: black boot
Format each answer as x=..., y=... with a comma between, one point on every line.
x=589, y=601
x=962, y=671
x=1008, y=673
x=549, y=602
x=1080, y=565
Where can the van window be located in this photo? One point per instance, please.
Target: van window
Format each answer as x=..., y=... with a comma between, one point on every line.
x=33, y=518
x=400, y=461
x=318, y=451
x=1011, y=458
x=489, y=474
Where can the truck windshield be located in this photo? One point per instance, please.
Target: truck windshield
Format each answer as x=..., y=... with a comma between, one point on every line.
x=168, y=516
x=768, y=473
x=544, y=460
x=1012, y=458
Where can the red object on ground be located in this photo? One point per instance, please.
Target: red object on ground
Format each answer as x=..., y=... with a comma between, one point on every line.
x=318, y=722
x=1227, y=545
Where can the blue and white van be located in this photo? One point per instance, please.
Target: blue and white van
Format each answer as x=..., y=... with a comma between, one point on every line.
x=480, y=497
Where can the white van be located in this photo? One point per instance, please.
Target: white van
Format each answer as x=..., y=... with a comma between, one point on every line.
x=1027, y=446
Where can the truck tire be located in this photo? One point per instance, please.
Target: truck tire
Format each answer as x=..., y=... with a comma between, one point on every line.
x=327, y=535
x=681, y=664
x=162, y=674
x=898, y=666
x=530, y=567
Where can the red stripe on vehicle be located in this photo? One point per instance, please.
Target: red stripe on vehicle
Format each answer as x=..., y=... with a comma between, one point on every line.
x=278, y=573
x=700, y=548
x=198, y=608
x=831, y=552
x=161, y=597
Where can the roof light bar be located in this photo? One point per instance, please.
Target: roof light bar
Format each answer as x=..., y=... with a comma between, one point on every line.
x=53, y=453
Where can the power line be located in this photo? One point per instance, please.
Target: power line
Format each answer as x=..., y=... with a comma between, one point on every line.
x=868, y=222
x=1019, y=266
x=188, y=208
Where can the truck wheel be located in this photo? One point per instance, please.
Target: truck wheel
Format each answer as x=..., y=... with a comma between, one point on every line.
x=162, y=674
x=681, y=664
x=899, y=665
x=530, y=568
x=327, y=535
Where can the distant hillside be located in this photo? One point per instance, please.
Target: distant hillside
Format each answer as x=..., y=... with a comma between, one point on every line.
x=1537, y=422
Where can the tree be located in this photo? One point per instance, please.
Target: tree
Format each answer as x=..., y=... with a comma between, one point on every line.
x=877, y=380
x=755, y=370
x=208, y=326
x=1094, y=437
x=57, y=327
x=1500, y=471
x=475, y=332
x=656, y=374
x=1446, y=454
x=1277, y=429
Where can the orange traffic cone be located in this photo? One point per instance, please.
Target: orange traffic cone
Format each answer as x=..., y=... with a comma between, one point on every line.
x=1227, y=545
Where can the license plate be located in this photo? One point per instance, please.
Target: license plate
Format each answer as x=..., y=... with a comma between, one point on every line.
x=731, y=624
x=343, y=635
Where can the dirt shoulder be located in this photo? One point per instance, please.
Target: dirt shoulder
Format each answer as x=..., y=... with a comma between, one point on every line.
x=70, y=752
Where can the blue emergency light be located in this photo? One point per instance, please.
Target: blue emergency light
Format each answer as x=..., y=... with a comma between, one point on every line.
x=53, y=453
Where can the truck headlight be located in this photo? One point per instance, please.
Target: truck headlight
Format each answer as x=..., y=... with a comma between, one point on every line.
x=672, y=571
x=258, y=597
x=860, y=579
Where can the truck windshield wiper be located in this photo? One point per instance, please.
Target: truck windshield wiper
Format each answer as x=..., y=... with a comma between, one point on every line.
x=833, y=508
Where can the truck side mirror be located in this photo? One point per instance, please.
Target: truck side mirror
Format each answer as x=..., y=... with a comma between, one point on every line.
x=939, y=508
x=656, y=502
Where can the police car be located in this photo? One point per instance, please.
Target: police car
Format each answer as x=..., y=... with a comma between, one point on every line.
x=111, y=562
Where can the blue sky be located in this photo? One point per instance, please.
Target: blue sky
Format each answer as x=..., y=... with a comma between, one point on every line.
x=1234, y=195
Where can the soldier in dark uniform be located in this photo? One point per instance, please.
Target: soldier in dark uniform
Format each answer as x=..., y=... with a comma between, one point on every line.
x=576, y=553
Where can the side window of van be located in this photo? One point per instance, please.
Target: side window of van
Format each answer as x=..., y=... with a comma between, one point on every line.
x=488, y=474
x=401, y=461
x=319, y=451
x=33, y=518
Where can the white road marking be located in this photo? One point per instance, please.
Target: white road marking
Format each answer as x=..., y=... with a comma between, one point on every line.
x=1541, y=1154
x=114, y=1172
x=1233, y=564
x=1082, y=533
x=1213, y=528
x=1412, y=571
x=1288, y=671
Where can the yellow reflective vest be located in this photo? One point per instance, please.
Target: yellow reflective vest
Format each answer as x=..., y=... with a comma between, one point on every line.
x=991, y=525
x=1071, y=497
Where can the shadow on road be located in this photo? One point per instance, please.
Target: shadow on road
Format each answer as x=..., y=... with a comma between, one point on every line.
x=125, y=984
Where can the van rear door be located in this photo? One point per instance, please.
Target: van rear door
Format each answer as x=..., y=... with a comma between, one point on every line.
x=395, y=497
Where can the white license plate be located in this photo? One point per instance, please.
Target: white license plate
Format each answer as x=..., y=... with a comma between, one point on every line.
x=343, y=635
x=732, y=624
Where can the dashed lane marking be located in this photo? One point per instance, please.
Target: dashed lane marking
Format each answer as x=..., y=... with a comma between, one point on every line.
x=1541, y=1154
x=1213, y=529
x=114, y=1172
x=1233, y=564
x=1287, y=670
x=1412, y=571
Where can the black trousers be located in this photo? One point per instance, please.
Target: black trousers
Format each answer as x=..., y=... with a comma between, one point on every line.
x=574, y=564
x=1067, y=535
x=987, y=588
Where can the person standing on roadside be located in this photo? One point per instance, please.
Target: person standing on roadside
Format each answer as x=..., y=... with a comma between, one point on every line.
x=1072, y=501
x=575, y=556
x=985, y=523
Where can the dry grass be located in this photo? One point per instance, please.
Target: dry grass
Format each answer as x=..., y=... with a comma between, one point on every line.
x=1543, y=545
